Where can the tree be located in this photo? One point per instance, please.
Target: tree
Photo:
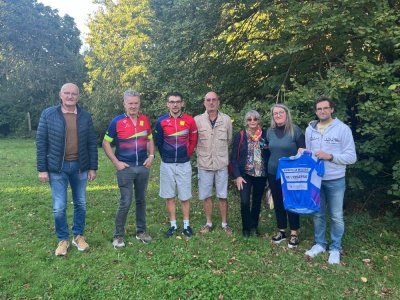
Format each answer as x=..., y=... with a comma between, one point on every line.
x=257, y=52
x=39, y=52
x=115, y=61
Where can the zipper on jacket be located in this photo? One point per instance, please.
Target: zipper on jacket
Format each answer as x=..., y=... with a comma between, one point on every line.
x=136, y=152
x=65, y=141
x=176, y=142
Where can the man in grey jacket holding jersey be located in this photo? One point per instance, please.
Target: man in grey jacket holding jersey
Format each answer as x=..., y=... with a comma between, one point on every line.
x=332, y=141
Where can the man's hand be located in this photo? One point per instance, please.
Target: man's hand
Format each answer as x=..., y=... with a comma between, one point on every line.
x=91, y=175
x=148, y=162
x=120, y=165
x=43, y=176
x=323, y=155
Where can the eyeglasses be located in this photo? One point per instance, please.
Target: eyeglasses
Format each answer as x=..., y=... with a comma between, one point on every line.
x=70, y=94
x=175, y=102
x=252, y=119
x=323, y=108
x=211, y=99
x=279, y=113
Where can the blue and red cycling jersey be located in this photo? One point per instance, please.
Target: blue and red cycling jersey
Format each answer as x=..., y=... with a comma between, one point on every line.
x=301, y=177
x=176, y=138
x=130, y=139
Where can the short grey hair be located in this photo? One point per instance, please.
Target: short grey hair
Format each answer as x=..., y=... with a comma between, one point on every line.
x=251, y=114
x=131, y=93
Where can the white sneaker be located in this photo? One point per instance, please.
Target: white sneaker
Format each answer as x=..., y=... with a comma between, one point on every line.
x=334, y=257
x=315, y=250
x=118, y=242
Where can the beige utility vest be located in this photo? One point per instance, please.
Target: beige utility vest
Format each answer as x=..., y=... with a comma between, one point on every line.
x=213, y=143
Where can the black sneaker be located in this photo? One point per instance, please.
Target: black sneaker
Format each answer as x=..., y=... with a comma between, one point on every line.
x=279, y=237
x=171, y=231
x=293, y=242
x=188, y=231
x=246, y=233
x=255, y=232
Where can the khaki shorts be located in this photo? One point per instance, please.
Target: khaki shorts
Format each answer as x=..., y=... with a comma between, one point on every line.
x=206, y=183
x=173, y=177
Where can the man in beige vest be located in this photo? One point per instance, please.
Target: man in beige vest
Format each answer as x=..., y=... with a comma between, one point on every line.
x=214, y=136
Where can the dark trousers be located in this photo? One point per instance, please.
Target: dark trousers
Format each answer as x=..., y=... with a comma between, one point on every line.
x=250, y=210
x=280, y=212
x=131, y=179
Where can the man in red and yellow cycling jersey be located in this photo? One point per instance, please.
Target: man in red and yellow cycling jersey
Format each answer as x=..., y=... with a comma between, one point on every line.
x=133, y=157
x=176, y=141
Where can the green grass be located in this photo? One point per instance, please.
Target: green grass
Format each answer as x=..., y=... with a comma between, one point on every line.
x=205, y=267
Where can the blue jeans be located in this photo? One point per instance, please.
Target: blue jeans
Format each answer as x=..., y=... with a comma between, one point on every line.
x=71, y=174
x=129, y=179
x=332, y=194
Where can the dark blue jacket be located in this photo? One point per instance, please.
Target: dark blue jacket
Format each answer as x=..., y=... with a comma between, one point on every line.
x=51, y=136
x=239, y=163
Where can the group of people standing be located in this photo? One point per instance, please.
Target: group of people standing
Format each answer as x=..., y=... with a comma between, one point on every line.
x=67, y=154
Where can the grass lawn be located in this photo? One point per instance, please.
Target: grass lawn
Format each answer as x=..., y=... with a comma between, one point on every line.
x=205, y=267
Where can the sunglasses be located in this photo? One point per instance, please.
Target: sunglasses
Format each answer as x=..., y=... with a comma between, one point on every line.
x=252, y=119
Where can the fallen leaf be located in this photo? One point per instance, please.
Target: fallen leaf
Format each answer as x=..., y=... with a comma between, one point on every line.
x=364, y=279
x=386, y=291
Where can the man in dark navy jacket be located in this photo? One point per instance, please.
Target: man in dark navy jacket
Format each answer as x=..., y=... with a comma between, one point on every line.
x=67, y=153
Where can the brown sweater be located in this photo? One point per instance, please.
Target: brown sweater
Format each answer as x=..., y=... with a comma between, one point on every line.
x=71, y=148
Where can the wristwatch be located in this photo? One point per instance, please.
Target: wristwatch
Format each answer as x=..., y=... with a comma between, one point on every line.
x=331, y=159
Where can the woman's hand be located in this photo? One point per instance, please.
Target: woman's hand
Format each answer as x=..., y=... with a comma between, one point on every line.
x=239, y=183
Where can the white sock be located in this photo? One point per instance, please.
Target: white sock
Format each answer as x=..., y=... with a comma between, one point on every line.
x=185, y=224
x=173, y=224
x=209, y=224
x=224, y=225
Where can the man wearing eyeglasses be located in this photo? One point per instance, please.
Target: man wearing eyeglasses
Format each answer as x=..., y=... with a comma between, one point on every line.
x=332, y=141
x=176, y=140
x=67, y=153
x=215, y=134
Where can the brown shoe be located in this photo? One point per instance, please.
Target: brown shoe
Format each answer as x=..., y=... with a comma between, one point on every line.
x=205, y=229
x=80, y=243
x=144, y=237
x=62, y=248
x=228, y=230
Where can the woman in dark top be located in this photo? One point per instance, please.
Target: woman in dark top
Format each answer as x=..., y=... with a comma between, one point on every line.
x=248, y=162
x=284, y=139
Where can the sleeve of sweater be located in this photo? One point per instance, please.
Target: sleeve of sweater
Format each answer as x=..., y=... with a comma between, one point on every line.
x=348, y=154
